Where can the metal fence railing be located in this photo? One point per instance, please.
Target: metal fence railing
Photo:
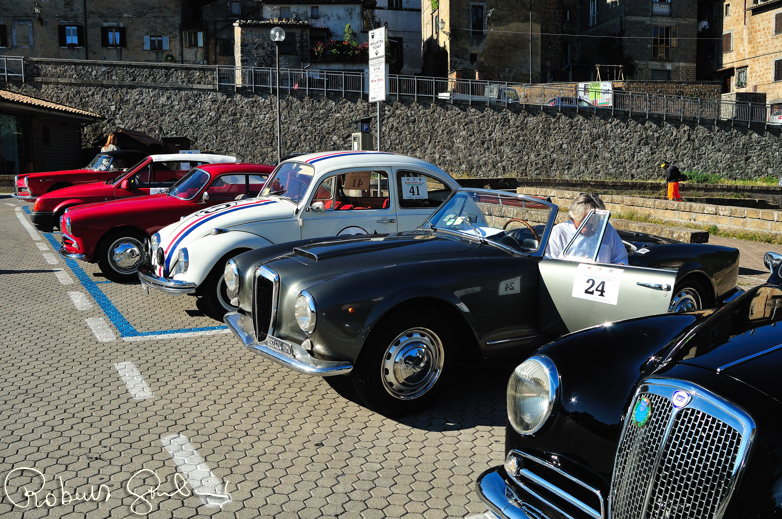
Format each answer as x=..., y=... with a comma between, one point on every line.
x=11, y=69
x=561, y=97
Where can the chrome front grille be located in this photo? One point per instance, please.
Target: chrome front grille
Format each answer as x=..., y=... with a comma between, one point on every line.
x=265, y=289
x=685, y=460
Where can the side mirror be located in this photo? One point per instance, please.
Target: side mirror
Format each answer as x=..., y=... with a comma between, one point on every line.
x=125, y=185
x=318, y=207
x=772, y=261
x=204, y=198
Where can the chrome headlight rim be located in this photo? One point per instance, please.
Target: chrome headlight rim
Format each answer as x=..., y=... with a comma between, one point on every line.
x=305, y=313
x=182, y=261
x=154, y=242
x=232, y=280
x=26, y=182
x=67, y=224
x=539, y=374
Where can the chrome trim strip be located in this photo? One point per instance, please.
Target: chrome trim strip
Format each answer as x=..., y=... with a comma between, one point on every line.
x=514, y=339
x=501, y=498
x=655, y=286
x=747, y=359
x=170, y=286
x=559, y=492
x=302, y=362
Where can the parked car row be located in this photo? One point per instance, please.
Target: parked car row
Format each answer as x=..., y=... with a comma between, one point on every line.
x=646, y=390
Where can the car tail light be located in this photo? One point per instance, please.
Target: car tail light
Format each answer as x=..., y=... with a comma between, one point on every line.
x=37, y=205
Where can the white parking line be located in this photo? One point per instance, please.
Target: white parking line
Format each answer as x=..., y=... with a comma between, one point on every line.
x=27, y=227
x=63, y=277
x=174, y=335
x=12, y=205
x=205, y=485
x=50, y=258
x=42, y=246
x=133, y=380
x=101, y=329
x=80, y=300
x=487, y=515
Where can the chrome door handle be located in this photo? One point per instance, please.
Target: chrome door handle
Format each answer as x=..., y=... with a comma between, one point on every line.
x=387, y=220
x=655, y=286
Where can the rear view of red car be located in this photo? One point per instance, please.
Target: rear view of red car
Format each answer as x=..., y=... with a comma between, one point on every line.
x=112, y=233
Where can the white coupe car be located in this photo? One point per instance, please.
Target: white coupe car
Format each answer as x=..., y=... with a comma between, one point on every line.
x=309, y=196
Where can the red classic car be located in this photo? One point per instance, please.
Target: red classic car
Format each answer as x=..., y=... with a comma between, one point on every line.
x=154, y=174
x=112, y=233
x=104, y=166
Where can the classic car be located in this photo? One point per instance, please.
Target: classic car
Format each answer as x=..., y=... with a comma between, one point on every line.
x=103, y=166
x=397, y=312
x=671, y=416
x=154, y=174
x=113, y=233
x=324, y=194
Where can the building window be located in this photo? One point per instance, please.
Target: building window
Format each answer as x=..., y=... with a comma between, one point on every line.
x=194, y=38
x=727, y=42
x=236, y=9
x=778, y=70
x=567, y=15
x=777, y=24
x=314, y=12
x=71, y=35
x=3, y=36
x=436, y=25
x=741, y=77
x=661, y=7
x=367, y=20
x=225, y=47
x=663, y=39
x=660, y=75
x=288, y=45
x=477, y=19
x=727, y=9
x=155, y=42
x=394, y=4
x=473, y=57
x=112, y=37
x=285, y=13
x=592, y=13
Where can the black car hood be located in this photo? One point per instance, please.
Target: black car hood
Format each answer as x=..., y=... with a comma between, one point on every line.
x=394, y=248
x=742, y=340
x=641, y=239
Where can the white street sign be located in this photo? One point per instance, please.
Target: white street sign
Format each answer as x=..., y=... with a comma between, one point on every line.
x=377, y=65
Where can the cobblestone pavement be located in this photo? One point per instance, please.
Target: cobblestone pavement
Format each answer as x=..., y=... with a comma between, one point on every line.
x=117, y=404
x=108, y=393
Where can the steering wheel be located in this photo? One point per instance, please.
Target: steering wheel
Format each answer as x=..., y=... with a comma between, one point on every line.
x=505, y=227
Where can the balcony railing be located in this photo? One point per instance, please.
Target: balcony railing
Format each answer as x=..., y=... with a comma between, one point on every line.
x=662, y=9
x=11, y=69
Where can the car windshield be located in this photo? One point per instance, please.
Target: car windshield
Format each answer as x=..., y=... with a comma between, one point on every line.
x=585, y=244
x=100, y=163
x=122, y=174
x=188, y=186
x=515, y=221
x=291, y=180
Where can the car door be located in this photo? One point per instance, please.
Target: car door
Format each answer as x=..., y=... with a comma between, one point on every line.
x=419, y=194
x=577, y=295
x=351, y=201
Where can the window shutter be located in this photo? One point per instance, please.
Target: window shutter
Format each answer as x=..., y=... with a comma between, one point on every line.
x=165, y=42
x=61, y=35
x=104, y=36
x=727, y=45
x=778, y=70
x=778, y=23
x=200, y=38
x=146, y=42
x=121, y=41
x=79, y=36
x=3, y=36
x=674, y=36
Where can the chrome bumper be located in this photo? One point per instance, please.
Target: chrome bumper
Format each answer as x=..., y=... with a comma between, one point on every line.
x=170, y=286
x=301, y=361
x=26, y=198
x=501, y=498
x=64, y=254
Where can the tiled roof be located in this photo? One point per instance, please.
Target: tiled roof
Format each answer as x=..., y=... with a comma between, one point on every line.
x=5, y=95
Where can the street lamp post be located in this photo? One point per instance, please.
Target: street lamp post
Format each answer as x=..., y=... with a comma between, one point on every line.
x=278, y=35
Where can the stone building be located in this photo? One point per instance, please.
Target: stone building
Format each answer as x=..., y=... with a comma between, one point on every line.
x=752, y=49
x=651, y=39
x=497, y=40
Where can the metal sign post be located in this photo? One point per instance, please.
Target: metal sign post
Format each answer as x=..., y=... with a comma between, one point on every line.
x=377, y=71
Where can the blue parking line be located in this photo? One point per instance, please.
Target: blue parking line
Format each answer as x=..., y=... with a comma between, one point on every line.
x=26, y=209
x=115, y=316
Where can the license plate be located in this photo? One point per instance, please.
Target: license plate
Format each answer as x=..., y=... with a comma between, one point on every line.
x=277, y=344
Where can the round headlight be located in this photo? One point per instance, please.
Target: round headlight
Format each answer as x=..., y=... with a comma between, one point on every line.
x=154, y=242
x=26, y=182
x=532, y=393
x=183, y=261
x=305, y=312
x=232, y=280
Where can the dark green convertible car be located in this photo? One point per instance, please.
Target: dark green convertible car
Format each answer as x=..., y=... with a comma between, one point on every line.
x=396, y=312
